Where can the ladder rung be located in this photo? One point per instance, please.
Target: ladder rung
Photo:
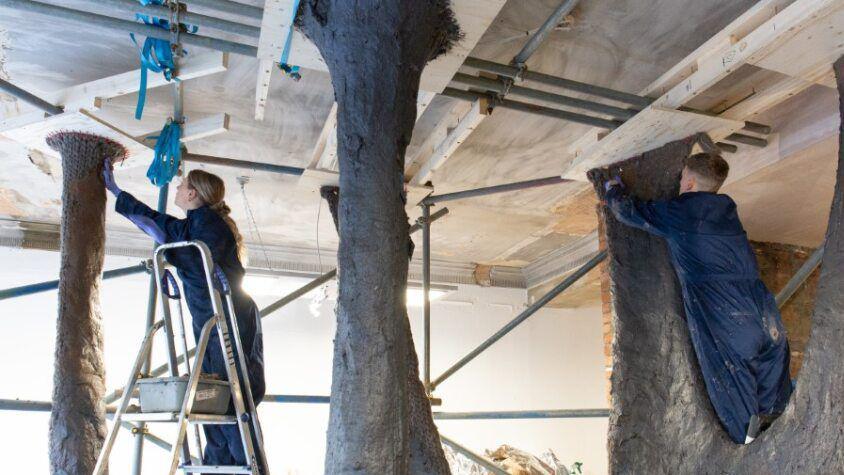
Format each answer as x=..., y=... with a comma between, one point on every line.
x=151, y=416
x=212, y=419
x=216, y=469
x=174, y=417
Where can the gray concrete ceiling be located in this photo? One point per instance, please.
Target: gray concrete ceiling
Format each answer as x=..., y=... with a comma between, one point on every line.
x=623, y=44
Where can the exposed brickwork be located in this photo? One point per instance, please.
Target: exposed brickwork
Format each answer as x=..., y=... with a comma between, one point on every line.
x=777, y=264
x=606, y=306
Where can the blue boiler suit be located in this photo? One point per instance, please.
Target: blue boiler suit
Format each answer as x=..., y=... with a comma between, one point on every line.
x=734, y=324
x=223, y=443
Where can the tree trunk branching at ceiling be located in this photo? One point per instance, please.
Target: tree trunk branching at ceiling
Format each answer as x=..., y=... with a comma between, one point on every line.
x=375, y=52
x=77, y=421
x=661, y=419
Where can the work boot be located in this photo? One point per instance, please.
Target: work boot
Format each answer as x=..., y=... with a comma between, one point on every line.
x=753, y=429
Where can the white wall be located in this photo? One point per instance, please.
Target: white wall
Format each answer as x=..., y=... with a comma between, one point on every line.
x=553, y=361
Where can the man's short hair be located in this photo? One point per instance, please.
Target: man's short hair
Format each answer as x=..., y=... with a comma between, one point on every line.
x=710, y=170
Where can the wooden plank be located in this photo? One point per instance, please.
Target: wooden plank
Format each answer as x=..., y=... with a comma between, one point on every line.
x=90, y=95
x=328, y=159
x=465, y=126
x=34, y=135
x=651, y=128
x=328, y=128
x=735, y=31
x=809, y=54
x=194, y=129
x=438, y=133
x=275, y=26
x=710, y=67
x=755, y=46
x=127, y=83
x=764, y=97
x=262, y=88
x=474, y=17
x=324, y=156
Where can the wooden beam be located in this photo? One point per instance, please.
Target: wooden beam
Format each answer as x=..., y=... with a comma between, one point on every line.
x=435, y=137
x=194, y=129
x=262, y=88
x=445, y=149
x=90, y=95
x=772, y=28
x=324, y=156
x=651, y=128
x=809, y=54
x=34, y=135
x=474, y=18
x=735, y=31
x=753, y=48
x=127, y=83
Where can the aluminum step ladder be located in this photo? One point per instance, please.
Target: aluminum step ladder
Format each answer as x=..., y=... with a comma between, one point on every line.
x=245, y=417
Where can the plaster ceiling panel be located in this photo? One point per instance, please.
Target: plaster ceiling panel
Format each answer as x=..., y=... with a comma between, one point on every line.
x=479, y=234
x=788, y=202
x=542, y=246
x=623, y=44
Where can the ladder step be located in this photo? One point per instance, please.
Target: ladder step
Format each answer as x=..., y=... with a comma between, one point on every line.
x=215, y=469
x=174, y=417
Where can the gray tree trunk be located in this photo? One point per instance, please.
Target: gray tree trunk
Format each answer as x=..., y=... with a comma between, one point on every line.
x=375, y=52
x=426, y=454
x=662, y=421
x=77, y=421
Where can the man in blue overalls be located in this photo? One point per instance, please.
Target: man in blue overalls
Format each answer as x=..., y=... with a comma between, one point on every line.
x=733, y=320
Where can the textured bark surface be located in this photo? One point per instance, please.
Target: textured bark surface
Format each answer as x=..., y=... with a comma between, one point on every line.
x=375, y=52
x=661, y=419
x=77, y=421
x=426, y=451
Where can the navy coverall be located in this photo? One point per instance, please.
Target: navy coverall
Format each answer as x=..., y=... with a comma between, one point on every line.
x=733, y=320
x=223, y=443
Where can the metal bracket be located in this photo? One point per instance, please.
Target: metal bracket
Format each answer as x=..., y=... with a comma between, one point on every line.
x=176, y=10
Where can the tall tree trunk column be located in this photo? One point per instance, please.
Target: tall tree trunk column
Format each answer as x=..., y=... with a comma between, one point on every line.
x=661, y=419
x=77, y=421
x=375, y=52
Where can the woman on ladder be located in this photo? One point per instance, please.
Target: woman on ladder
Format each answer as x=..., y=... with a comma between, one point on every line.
x=200, y=195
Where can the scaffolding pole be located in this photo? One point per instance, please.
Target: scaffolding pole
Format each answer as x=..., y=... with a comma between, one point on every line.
x=244, y=164
x=489, y=190
x=537, y=414
x=265, y=312
x=29, y=98
x=152, y=300
x=89, y=19
x=799, y=277
x=425, y=222
x=542, y=33
x=566, y=283
x=30, y=289
x=478, y=459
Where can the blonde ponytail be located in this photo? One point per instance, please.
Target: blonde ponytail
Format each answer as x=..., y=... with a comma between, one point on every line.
x=211, y=191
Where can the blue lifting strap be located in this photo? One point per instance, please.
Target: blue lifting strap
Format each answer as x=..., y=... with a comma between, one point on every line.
x=290, y=69
x=168, y=154
x=156, y=54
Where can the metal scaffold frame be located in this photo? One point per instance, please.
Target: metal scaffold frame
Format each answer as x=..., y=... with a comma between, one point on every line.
x=493, y=86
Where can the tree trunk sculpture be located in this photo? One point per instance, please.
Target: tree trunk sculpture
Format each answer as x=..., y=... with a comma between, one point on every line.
x=426, y=454
x=375, y=52
x=77, y=421
x=661, y=420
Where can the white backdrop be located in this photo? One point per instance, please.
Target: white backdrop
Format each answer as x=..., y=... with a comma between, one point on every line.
x=553, y=361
